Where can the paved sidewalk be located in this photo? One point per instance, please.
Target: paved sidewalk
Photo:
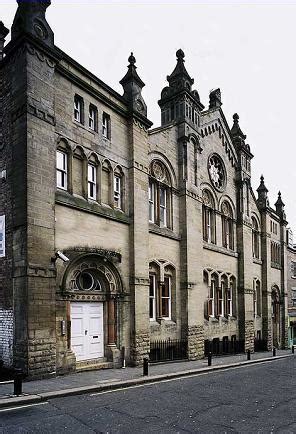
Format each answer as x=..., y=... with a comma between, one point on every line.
x=115, y=378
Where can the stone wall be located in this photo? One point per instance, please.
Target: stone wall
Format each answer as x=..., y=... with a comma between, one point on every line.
x=6, y=336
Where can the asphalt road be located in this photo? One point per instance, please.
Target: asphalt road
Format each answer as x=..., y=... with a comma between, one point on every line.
x=251, y=399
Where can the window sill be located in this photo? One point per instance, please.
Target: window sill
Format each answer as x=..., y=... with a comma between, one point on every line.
x=63, y=197
x=164, y=232
x=274, y=265
x=257, y=261
x=215, y=248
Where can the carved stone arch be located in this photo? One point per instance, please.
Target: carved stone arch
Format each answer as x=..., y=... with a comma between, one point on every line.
x=227, y=199
x=63, y=144
x=93, y=158
x=208, y=199
x=163, y=160
x=207, y=187
x=106, y=165
x=225, y=276
x=79, y=152
x=118, y=170
x=255, y=219
x=96, y=266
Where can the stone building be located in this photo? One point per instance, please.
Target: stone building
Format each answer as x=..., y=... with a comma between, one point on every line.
x=116, y=235
x=291, y=286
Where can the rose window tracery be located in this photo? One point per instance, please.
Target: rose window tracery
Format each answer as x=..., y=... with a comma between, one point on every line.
x=216, y=172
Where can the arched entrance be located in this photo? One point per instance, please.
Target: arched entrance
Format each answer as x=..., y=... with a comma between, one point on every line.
x=94, y=287
x=276, y=316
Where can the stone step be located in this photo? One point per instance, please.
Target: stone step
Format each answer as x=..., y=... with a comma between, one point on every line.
x=93, y=364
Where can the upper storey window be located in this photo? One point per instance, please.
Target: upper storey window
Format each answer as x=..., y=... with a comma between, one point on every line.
x=227, y=226
x=106, y=126
x=208, y=217
x=78, y=109
x=255, y=239
x=160, y=195
x=93, y=118
x=61, y=169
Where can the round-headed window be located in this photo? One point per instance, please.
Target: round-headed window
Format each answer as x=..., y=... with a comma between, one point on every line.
x=86, y=281
x=217, y=172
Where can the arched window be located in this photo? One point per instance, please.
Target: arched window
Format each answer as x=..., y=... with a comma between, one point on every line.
x=161, y=289
x=118, y=186
x=227, y=226
x=255, y=239
x=106, y=183
x=160, y=195
x=212, y=299
x=257, y=297
x=64, y=166
x=208, y=218
x=221, y=297
x=92, y=178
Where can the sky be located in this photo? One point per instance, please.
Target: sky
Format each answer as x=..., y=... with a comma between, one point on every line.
x=247, y=49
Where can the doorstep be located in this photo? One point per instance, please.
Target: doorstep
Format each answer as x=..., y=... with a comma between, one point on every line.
x=93, y=365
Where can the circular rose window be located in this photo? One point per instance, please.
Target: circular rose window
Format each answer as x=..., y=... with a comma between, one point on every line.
x=217, y=172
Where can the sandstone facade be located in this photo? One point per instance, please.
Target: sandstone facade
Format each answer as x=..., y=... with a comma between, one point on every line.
x=164, y=237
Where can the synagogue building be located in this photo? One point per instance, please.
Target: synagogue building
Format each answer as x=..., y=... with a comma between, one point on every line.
x=118, y=238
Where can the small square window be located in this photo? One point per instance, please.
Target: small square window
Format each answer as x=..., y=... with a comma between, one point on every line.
x=106, y=126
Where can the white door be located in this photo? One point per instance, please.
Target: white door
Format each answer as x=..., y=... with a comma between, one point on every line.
x=87, y=333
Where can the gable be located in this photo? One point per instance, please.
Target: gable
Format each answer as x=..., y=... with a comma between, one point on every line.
x=214, y=123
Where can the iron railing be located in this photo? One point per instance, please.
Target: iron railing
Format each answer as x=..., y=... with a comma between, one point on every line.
x=166, y=350
x=224, y=346
x=260, y=345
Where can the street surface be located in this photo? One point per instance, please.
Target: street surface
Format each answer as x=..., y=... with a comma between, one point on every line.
x=250, y=399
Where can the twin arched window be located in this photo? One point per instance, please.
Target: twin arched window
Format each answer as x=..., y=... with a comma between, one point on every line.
x=209, y=221
x=221, y=295
x=160, y=195
x=161, y=290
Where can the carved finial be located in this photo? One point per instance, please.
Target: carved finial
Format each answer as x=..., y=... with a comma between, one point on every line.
x=235, y=118
x=180, y=55
x=30, y=19
x=263, y=201
x=279, y=206
x=215, y=98
x=132, y=87
x=132, y=59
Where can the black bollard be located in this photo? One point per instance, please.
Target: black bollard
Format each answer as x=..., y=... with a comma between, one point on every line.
x=274, y=352
x=210, y=359
x=123, y=357
x=293, y=349
x=18, y=382
x=248, y=355
x=145, y=366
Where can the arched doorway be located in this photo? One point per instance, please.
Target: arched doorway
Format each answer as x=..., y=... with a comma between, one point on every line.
x=276, y=314
x=94, y=287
